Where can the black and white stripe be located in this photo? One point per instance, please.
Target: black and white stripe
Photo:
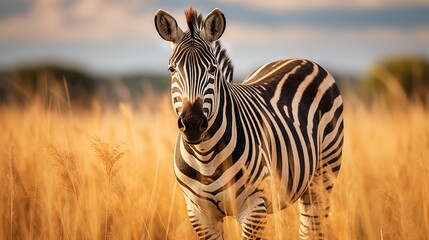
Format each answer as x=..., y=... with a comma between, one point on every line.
x=271, y=141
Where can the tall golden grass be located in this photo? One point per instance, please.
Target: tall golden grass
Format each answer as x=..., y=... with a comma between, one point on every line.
x=108, y=174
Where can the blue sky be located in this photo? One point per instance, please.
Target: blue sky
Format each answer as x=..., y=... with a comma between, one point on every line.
x=118, y=36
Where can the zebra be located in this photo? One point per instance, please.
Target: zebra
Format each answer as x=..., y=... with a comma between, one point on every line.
x=247, y=150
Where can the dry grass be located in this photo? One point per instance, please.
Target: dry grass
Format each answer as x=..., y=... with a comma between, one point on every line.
x=108, y=174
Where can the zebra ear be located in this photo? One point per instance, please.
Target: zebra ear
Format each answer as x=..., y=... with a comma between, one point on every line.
x=214, y=25
x=167, y=26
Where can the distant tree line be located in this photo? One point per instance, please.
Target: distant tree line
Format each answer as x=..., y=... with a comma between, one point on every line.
x=398, y=79
x=392, y=79
x=75, y=87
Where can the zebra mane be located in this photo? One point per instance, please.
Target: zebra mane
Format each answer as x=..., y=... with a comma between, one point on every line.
x=224, y=61
x=194, y=20
x=195, y=23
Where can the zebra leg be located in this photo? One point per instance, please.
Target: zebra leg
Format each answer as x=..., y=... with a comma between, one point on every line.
x=314, y=205
x=207, y=227
x=253, y=219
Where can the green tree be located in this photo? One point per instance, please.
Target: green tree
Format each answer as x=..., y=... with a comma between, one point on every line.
x=400, y=78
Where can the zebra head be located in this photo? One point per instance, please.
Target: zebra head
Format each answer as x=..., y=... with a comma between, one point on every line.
x=195, y=78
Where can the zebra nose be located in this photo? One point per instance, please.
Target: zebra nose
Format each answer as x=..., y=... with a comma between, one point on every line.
x=192, y=124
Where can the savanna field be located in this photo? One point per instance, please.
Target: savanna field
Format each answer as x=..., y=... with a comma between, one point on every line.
x=106, y=172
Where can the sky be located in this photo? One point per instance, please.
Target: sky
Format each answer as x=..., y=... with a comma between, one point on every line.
x=119, y=37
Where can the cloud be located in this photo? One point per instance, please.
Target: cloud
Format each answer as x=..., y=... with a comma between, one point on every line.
x=102, y=20
x=238, y=33
x=282, y=5
x=85, y=20
x=351, y=50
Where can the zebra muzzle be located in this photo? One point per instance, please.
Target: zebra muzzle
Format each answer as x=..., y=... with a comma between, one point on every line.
x=193, y=123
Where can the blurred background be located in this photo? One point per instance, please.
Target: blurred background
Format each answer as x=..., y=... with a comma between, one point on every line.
x=102, y=47
x=88, y=134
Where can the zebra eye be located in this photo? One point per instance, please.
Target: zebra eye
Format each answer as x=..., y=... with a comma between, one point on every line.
x=212, y=70
x=171, y=69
